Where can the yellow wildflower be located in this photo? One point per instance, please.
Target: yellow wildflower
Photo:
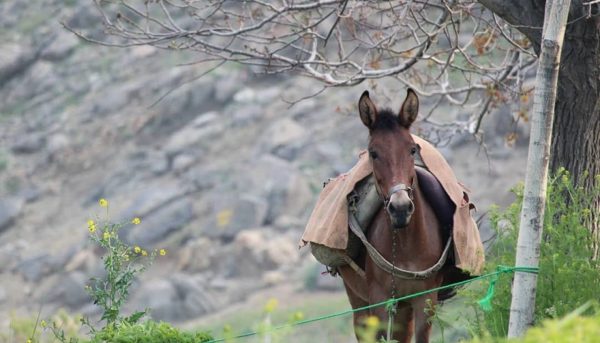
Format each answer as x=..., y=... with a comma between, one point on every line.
x=106, y=235
x=103, y=202
x=372, y=322
x=29, y=340
x=271, y=305
x=297, y=316
x=91, y=226
x=144, y=253
x=162, y=252
x=137, y=249
x=43, y=323
x=136, y=221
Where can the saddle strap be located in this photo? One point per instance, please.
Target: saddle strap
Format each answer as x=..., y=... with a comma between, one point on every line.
x=388, y=267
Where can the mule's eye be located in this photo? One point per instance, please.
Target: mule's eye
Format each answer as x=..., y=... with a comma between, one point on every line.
x=413, y=150
x=373, y=154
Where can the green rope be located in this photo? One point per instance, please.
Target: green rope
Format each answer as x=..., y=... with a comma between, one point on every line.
x=485, y=302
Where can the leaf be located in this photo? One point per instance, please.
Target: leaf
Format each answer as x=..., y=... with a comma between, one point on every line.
x=135, y=317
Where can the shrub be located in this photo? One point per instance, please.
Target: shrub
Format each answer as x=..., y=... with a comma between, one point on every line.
x=122, y=263
x=571, y=328
x=568, y=276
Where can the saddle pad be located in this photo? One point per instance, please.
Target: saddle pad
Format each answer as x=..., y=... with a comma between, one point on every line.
x=328, y=223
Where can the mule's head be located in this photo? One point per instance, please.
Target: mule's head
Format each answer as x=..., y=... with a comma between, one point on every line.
x=392, y=153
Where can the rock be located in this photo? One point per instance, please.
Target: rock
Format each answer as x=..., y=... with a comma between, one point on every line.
x=259, y=250
x=35, y=268
x=159, y=224
x=181, y=298
x=286, y=222
x=57, y=143
x=15, y=59
x=10, y=209
x=83, y=260
x=11, y=254
x=227, y=85
x=2, y=295
x=69, y=290
x=151, y=199
x=204, y=126
x=28, y=144
x=284, y=138
x=31, y=193
x=161, y=297
x=195, y=301
x=274, y=277
x=197, y=255
x=286, y=189
x=230, y=215
x=60, y=47
x=245, y=95
x=74, y=289
x=182, y=162
x=244, y=115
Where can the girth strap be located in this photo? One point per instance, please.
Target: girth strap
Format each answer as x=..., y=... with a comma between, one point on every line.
x=388, y=267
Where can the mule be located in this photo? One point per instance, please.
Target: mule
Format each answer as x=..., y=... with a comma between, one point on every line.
x=406, y=231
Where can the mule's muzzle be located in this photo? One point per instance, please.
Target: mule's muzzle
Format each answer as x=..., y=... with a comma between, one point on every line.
x=400, y=206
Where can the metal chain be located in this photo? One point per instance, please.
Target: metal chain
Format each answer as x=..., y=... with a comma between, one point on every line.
x=392, y=307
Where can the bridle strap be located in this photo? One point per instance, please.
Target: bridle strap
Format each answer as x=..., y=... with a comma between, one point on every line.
x=388, y=267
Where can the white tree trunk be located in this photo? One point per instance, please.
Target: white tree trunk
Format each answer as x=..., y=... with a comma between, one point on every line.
x=532, y=214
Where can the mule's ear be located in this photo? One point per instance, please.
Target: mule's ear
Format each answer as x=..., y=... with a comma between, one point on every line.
x=367, y=110
x=410, y=109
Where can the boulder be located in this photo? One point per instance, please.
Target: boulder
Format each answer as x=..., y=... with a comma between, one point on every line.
x=162, y=222
x=259, y=250
x=230, y=215
x=161, y=297
x=35, y=268
x=284, y=187
x=197, y=255
x=180, y=298
x=28, y=144
x=204, y=126
x=284, y=138
x=151, y=199
x=61, y=46
x=10, y=209
x=69, y=289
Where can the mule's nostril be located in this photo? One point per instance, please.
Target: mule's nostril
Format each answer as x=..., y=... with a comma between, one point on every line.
x=411, y=207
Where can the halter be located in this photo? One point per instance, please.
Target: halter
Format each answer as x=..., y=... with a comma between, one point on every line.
x=397, y=188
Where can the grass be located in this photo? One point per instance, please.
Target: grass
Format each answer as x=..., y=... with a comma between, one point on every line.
x=250, y=319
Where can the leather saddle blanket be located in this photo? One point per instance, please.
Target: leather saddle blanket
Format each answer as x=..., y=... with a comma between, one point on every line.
x=328, y=223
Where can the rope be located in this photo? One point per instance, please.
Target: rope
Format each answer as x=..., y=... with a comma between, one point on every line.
x=485, y=302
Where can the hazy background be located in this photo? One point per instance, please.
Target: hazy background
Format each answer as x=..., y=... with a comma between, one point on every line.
x=222, y=171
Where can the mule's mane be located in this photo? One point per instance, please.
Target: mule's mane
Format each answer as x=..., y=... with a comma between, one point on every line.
x=386, y=120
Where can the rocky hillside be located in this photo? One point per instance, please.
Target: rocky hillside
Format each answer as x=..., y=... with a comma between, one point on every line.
x=222, y=171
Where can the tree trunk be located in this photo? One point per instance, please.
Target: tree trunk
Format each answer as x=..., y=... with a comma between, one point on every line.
x=532, y=215
x=576, y=132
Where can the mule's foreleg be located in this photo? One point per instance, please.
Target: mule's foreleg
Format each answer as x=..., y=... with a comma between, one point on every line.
x=356, y=289
x=424, y=312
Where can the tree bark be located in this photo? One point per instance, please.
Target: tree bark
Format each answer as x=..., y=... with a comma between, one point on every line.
x=576, y=130
x=532, y=214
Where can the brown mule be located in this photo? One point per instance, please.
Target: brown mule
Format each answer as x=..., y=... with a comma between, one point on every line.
x=406, y=231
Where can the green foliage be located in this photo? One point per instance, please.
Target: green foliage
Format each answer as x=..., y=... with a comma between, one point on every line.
x=568, y=276
x=122, y=263
x=572, y=328
x=147, y=332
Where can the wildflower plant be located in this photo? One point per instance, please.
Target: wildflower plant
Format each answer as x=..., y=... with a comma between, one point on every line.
x=122, y=262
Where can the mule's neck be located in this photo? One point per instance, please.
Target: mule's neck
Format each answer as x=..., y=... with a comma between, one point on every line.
x=415, y=247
